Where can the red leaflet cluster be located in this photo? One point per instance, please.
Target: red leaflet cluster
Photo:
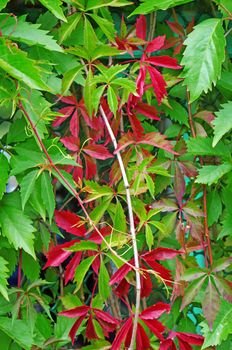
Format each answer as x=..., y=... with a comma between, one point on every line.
x=106, y=322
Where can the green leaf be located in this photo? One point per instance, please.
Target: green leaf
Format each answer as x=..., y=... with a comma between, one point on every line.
x=81, y=271
x=3, y=277
x=192, y=274
x=83, y=246
x=30, y=267
x=16, y=63
x=3, y=4
x=210, y=174
x=100, y=209
x=120, y=220
x=55, y=7
x=223, y=122
x=150, y=6
x=149, y=236
x=4, y=174
x=69, y=78
x=202, y=146
x=214, y=207
x=177, y=112
x=222, y=326
x=47, y=194
x=211, y=303
x=150, y=184
x=27, y=33
x=104, y=50
x=88, y=92
x=93, y=4
x=27, y=185
x=90, y=38
x=203, y=57
x=16, y=226
x=112, y=100
x=97, y=94
x=103, y=281
x=192, y=291
x=106, y=26
x=18, y=332
x=66, y=29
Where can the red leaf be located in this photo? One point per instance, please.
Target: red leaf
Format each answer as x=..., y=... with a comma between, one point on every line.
x=122, y=288
x=158, y=83
x=136, y=125
x=193, y=339
x=90, y=329
x=141, y=27
x=156, y=327
x=71, y=100
x=106, y=317
x=142, y=340
x=90, y=167
x=105, y=231
x=158, y=140
x=146, y=285
x=183, y=345
x=56, y=255
x=121, y=335
x=147, y=110
x=179, y=184
x=161, y=270
x=176, y=28
x=141, y=80
x=155, y=311
x=164, y=61
x=156, y=44
x=121, y=273
x=71, y=267
x=167, y=344
x=75, y=328
x=71, y=143
x=74, y=124
x=75, y=312
x=162, y=253
x=97, y=151
x=67, y=112
x=70, y=222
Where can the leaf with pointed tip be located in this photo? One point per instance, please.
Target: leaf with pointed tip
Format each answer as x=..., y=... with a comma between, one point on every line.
x=18, y=332
x=3, y=277
x=150, y=6
x=27, y=185
x=106, y=26
x=69, y=78
x=83, y=246
x=211, y=303
x=17, y=64
x=27, y=33
x=112, y=100
x=192, y=291
x=103, y=281
x=203, y=57
x=192, y=274
x=223, y=122
x=202, y=146
x=224, y=287
x=4, y=174
x=66, y=29
x=82, y=269
x=222, y=326
x=16, y=225
x=55, y=7
x=210, y=174
x=70, y=222
x=47, y=194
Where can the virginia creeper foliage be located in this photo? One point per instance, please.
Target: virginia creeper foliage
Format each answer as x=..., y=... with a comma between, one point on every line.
x=115, y=174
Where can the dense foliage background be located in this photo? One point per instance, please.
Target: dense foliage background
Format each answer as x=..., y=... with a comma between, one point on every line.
x=115, y=174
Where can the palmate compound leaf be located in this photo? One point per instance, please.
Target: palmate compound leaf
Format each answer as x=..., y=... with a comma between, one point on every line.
x=15, y=225
x=17, y=64
x=203, y=57
x=27, y=33
x=223, y=122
